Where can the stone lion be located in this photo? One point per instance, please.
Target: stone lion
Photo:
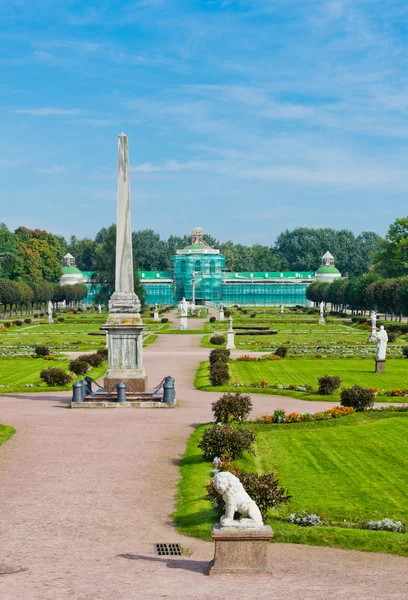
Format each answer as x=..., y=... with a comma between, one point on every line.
x=236, y=500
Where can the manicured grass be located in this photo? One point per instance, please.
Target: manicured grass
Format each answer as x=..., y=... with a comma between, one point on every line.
x=300, y=371
x=354, y=469
x=17, y=372
x=5, y=433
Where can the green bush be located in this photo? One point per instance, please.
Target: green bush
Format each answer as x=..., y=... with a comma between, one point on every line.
x=94, y=360
x=79, y=367
x=253, y=315
x=219, y=373
x=212, y=319
x=392, y=337
x=55, y=376
x=281, y=351
x=164, y=320
x=103, y=352
x=328, y=384
x=219, y=355
x=7, y=324
x=225, y=440
x=405, y=351
x=264, y=491
x=42, y=350
x=357, y=397
x=231, y=407
x=60, y=319
x=217, y=340
x=28, y=321
x=18, y=322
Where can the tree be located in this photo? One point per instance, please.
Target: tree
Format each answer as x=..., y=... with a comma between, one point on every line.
x=83, y=251
x=149, y=251
x=41, y=253
x=10, y=261
x=392, y=258
x=104, y=265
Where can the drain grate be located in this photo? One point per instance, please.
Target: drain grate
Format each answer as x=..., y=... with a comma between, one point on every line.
x=167, y=549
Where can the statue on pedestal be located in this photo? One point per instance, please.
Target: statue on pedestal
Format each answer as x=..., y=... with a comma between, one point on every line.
x=230, y=335
x=236, y=500
x=321, y=318
x=282, y=310
x=50, y=308
x=382, y=340
x=99, y=309
x=373, y=318
x=183, y=307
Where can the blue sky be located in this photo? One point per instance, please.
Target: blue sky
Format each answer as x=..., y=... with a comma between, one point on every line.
x=244, y=117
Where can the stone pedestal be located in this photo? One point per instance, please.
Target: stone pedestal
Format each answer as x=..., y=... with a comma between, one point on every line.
x=183, y=323
x=156, y=316
x=50, y=320
x=240, y=550
x=379, y=366
x=230, y=340
x=222, y=315
x=321, y=321
x=125, y=359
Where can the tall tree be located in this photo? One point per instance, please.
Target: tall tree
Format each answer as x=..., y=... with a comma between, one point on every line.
x=11, y=263
x=149, y=251
x=83, y=251
x=392, y=258
x=41, y=253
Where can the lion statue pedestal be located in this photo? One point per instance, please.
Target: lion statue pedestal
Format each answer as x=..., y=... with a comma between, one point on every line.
x=240, y=544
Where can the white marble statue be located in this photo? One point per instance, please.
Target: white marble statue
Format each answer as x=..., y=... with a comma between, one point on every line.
x=99, y=309
x=183, y=308
x=382, y=339
x=373, y=318
x=156, y=313
x=221, y=312
x=236, y=500
x=321, y=318
x=230, y=336
x=282, y=310
x=50, y=309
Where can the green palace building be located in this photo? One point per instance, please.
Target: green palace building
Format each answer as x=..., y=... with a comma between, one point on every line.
x=198, y=274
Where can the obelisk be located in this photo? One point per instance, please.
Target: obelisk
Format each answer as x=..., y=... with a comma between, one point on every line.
x=124, y=326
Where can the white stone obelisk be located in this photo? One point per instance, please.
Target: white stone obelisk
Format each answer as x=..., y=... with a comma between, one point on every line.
x=124, y=326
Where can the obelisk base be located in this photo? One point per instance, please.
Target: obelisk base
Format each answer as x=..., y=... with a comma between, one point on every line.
x=240, y=550
x=133, y=385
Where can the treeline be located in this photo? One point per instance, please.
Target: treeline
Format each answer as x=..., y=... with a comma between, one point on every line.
x=14, y=295
x=369, y=292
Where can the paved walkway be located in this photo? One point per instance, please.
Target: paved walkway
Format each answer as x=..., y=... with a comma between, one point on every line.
x=84, y=495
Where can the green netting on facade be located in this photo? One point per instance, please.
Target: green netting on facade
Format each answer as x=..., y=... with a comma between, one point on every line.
x=264, y=294
x=199, y=276
x=159, y=293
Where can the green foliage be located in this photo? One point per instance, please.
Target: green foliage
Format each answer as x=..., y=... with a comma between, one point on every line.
x=391, y=260
x=231, y=407
x=217, y=340
x=95, y=359
x=264, y=490
x=226, y=440
x=79, y=367
x=83, y=251
x=164, y=320
x=212, y=319
x=103, y=352
x=328, y=384
x=41, y=253
x=42, y=350
x=357, y=397
x=219, y=373
x=281, y=351
x=55, y=376
x=405, y=351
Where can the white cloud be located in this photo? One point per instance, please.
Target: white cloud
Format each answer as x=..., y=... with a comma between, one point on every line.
x=48, y=111
x=52, y=170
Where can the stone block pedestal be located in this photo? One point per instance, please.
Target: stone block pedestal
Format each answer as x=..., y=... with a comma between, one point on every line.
x=133, y=385
x=240, y=550
x=379, y=366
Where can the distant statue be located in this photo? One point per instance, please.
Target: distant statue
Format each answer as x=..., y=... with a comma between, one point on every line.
x=236, y=500
x=382, y=340
x=321, y=318
x=183, y=308
x=373, y=318
x=50, y=308
x=99, y=309
x=282, y=310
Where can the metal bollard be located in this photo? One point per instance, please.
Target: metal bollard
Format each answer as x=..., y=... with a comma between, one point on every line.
x=77, y=392
x=121, y=387
x=169, y=391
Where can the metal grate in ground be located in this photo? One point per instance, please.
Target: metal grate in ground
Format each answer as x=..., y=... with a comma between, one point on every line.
x=167, y=549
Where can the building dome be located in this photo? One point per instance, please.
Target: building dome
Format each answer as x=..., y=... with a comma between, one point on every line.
x=327, y=271
x=70, y=273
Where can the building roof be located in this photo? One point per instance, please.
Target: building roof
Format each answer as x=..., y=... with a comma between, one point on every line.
x=327, y=255
x=68, y=255
x=71, y=271
x=327, y=270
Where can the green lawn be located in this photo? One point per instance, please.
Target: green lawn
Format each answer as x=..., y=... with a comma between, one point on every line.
x=301, y=371
x=354, y=468
x=16, y=372
x=5, y=433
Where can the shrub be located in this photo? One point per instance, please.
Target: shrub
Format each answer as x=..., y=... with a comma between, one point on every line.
x=357, y=397
x=264, y=490
x=164, y=320
x=392, y=337
x=252, y=315
x=217, y=340
x=18, y=322
x=227, y=313
x=305, y=519
x=7, y=325
x=212, y=319
x=55, y=376
x=281, y=351
x=42, y=315
x=103, y=352
x=28, y=321
x=60, y=319
x=219, y=355
x=94, y=360
x=219, y=373
x=42, y=350
x=232, y=407
x=386, y=525
x=80, y=367
x=404, y=350
x=225, y=440
x=328, y=384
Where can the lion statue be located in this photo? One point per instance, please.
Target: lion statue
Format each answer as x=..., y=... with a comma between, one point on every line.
x=236, y=500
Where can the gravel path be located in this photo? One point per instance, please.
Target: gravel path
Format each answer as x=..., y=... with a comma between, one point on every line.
x=85, y=494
